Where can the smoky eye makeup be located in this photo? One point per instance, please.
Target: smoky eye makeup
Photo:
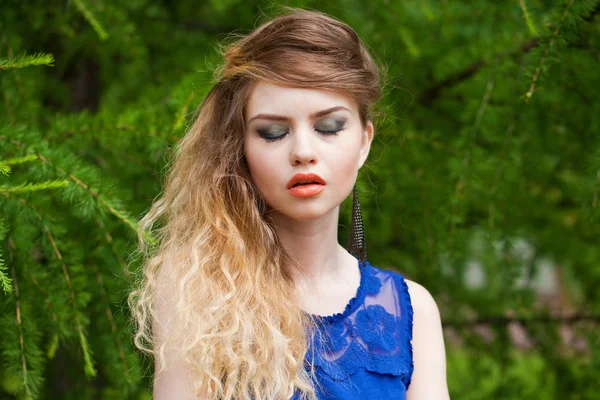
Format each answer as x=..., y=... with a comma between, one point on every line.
x=272, y=131
x=329, y=126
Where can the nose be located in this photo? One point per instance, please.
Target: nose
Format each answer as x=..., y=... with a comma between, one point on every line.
x=303, y=147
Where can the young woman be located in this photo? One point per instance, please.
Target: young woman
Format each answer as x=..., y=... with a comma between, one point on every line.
x=248, y=294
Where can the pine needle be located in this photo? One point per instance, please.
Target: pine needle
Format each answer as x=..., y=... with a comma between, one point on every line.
x=5, y=281
x=27, y=60
x=33, y=187
x=91, y=19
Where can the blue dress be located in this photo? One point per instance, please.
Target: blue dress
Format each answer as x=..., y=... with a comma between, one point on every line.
x=365, y=352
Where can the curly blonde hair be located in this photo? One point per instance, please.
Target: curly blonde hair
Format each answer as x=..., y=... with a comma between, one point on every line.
x=217, y=265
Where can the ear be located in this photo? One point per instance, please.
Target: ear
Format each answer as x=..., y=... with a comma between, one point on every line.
x=365, y=143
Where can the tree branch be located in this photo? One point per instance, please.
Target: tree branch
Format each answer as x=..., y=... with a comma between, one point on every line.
x=505, y=320
x=431, y=94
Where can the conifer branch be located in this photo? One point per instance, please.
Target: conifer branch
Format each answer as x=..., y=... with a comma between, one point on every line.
x=4, y=168
x=538, y=71
x=28, y=187
x=91, y=19
x=125, y=156
x=89, y=367
x=88, y=363
x=431, y=94
x=111, y=243
x=111, y=320
x=31, y=276
x=107, y=203
x=111, y=205
x=19, y=160
x=44, y=294
x=24, y=368
x=460, y=183
x=26, y=203
x=33, y=187
x=27, y=60
x=6, y=281
x=530, y=23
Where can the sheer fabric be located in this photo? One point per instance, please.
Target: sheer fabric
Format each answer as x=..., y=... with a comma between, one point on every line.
x=365, y=352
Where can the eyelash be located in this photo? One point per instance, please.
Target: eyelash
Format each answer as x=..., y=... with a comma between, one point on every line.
x=325, y=133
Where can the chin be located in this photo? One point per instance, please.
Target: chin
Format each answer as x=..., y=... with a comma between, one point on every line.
x=305, y=212
x=306, y=216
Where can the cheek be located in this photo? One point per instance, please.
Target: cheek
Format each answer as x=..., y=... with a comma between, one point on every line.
x=344, y=163
x=345, y=159
x=346, y=173
x=261, y=168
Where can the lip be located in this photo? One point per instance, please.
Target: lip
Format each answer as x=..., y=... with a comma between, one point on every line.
x=300, y=177
x=306, y=190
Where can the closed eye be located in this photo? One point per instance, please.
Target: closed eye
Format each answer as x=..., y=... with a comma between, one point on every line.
x=326, y=127
x=275, y=138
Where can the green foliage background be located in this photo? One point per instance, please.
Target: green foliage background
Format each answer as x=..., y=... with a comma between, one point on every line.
x=488, y=137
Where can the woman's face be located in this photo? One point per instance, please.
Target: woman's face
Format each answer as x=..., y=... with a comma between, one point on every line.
x=297, y=130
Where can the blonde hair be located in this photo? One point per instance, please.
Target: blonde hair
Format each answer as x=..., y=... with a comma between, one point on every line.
x=218, y=258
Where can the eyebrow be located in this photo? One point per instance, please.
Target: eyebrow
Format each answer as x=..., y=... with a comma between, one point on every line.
x=312, y=116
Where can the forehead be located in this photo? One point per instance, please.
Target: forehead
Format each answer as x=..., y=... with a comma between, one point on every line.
x=292, y=101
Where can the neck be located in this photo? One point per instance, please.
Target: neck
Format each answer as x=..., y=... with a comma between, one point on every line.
x=313, y=244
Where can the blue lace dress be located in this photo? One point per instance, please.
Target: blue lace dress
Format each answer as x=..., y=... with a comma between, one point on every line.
x=365, y=352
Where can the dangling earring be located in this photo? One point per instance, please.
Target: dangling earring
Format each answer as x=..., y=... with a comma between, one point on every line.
x=357, y=245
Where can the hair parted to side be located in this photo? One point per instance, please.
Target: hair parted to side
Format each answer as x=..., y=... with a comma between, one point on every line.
x=217, y=270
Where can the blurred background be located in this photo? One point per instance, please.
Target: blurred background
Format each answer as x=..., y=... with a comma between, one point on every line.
x=482, y=183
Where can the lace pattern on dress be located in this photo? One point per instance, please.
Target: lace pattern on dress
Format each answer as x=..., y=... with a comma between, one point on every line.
x=374, y=332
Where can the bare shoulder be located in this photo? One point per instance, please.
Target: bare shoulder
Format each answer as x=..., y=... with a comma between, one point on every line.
x=429, y=375
x=421, y=299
